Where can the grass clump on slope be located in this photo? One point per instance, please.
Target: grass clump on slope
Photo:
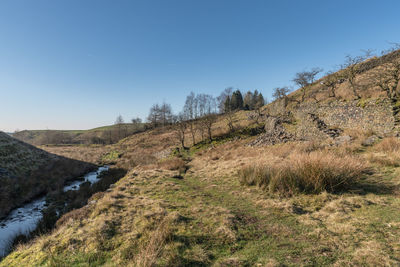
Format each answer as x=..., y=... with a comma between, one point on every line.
x=306, y=173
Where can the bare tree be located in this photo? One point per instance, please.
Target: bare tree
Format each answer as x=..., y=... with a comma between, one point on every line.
x=136, y=121
x=387, y=79
x=154, y=115
x=280, y=92
x=119, y=122
x=350, y=70
x=206, y=104
x=256, y=116
x=200, y=129
x=331, y=81
x=160, y=114
x=190, y=112
x=305, y=79
x=181, y=126
x=190, y=106
x=221, y=99
x=165, y=114
x=230, y=121
x=207, y=122
x=394, y=47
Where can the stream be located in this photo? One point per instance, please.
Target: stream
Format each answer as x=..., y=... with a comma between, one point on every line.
x=24, y=220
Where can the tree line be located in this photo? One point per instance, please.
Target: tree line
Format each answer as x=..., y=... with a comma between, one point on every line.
x=200, y=110
x=385, y=75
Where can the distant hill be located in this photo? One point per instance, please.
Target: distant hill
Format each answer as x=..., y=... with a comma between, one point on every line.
x=101, y=135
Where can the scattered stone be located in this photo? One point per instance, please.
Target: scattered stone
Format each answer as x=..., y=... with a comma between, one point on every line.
x=321, y=125
x=275, y=133
x=345, y=139
x=370, y=140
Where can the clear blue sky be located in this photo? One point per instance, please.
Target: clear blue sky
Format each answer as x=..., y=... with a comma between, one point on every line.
x=77, y=64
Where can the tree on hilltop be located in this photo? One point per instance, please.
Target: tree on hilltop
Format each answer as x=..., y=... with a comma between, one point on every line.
x=181, y=126
x=222, y=100
x=119, y=122
x=331, y=81
x=280, y=92
x=236, y=100
x=305, y=79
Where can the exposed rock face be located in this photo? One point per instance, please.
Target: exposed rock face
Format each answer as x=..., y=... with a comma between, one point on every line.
x=321, y=125
x=274, y=133
x=313, y=121
x=376, y=114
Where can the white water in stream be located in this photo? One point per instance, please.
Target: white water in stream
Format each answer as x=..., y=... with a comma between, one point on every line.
x=24, y=220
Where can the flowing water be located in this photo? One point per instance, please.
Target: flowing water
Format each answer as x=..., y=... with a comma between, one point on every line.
x=24, y=220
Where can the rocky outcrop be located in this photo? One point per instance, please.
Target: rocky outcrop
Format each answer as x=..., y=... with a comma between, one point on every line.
x=319, y=121
x=275, y=133
x=321, y=125
x=373, y=114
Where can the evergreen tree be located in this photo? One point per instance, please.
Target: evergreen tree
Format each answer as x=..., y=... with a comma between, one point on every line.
x=254, y=100
x=237, y=100
x=248, y=101
x=259, y=101
x=227, y=104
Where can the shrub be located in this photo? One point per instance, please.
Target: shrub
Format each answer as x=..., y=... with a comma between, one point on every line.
x=306, y=173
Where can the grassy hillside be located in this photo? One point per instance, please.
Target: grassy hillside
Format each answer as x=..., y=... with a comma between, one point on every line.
x=196, y=209
x=318, y=186
x=101, y=135
x=26, y=172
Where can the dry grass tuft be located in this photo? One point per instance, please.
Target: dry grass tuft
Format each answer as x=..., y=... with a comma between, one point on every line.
x=77, y=214
x=390, y=144
x=151, y=251
x=386, y=153
x=306, y=173
x=172, y=164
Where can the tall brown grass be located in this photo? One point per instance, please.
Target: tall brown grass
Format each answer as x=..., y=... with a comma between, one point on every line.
x=390, y=144
x=306, y=173
x=386, y=153
x=172, y=164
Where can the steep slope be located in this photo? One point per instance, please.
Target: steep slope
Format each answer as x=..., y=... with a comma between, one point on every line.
x=18, y=158
x=26, y=172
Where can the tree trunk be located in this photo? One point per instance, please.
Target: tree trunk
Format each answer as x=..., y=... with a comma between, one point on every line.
x=193, y=133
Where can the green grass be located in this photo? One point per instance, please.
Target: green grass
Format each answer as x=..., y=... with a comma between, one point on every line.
x=111, y=157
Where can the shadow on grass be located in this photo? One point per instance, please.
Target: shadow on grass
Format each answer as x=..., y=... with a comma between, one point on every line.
x=71, y=204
